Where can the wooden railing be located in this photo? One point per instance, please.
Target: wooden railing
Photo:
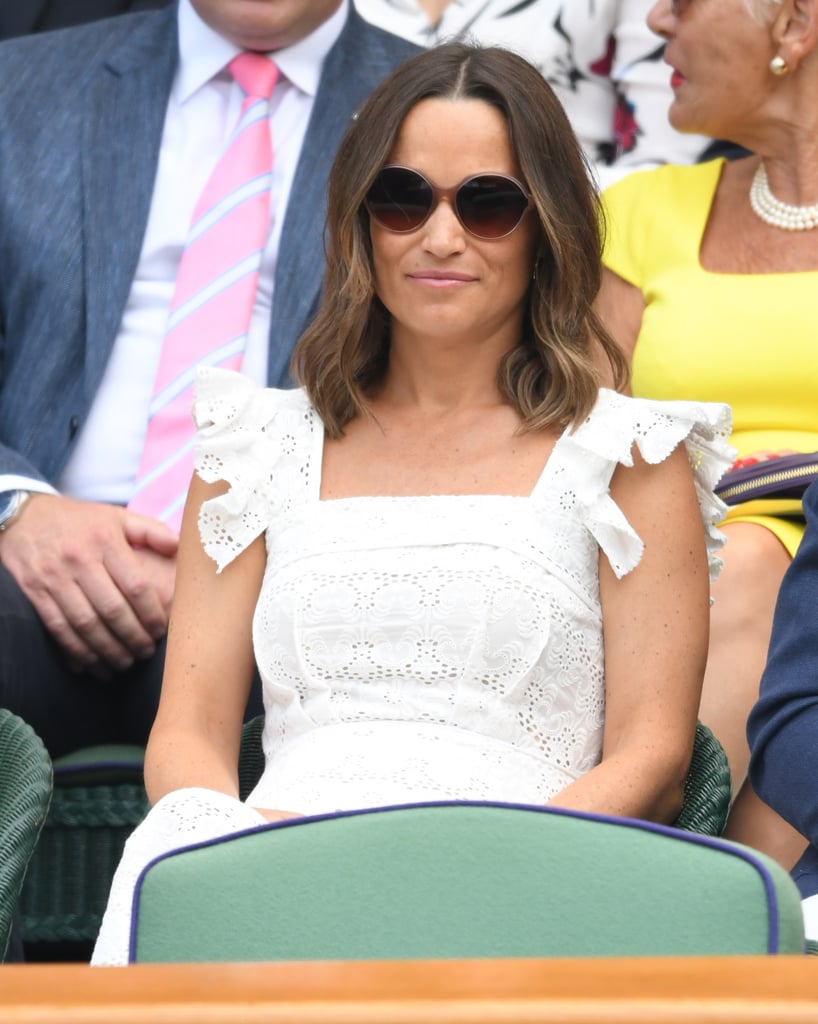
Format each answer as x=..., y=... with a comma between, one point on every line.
x=695, y=990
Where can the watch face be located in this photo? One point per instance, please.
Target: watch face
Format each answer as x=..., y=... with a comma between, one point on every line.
x=8, y=502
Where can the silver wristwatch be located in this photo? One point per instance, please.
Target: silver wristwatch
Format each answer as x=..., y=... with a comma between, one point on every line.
x=10, y=504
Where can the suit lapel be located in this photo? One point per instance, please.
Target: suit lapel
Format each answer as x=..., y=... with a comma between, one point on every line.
x=127, y=97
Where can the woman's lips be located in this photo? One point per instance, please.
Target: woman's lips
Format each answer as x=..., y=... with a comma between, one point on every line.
x=676, y=79
x=441, y=278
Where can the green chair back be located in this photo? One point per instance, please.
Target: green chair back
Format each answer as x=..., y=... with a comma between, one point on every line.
x=25, y=794
x=462, y=880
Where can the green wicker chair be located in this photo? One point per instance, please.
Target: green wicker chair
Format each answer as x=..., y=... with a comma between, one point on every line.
x=707, y=787
x=25, y=793
x=251, y=757
x=99, y=798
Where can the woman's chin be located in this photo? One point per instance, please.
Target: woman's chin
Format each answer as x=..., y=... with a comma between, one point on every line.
x=681, y=118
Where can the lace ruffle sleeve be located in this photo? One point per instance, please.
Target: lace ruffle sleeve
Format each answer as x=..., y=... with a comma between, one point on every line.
x=606, y=439
x=257, y=440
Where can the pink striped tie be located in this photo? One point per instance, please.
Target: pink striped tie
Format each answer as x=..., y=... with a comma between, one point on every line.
x=215, y=288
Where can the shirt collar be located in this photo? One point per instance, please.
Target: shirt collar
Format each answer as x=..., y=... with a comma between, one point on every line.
x=413, y=7
x=203, y=53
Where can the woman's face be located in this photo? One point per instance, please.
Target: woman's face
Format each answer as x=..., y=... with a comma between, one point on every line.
x=719, y=56
x=439, y=280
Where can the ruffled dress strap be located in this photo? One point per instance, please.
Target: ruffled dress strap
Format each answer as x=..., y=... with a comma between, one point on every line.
x=261, y=442
x=607, y=438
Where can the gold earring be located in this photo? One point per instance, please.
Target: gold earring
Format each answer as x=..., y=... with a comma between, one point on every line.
x=779, y=66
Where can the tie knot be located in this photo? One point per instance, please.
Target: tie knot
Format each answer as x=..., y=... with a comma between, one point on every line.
x=255, y=73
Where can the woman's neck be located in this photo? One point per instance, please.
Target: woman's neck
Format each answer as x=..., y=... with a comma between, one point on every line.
x=440, y=375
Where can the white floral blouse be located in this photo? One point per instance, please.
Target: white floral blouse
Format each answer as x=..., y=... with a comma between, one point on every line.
x=599, y=56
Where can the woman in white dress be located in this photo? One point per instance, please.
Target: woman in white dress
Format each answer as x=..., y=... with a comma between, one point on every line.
x=464, y=569
x=599, y=56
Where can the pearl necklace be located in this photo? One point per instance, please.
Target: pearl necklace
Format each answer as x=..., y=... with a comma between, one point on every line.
x=779, y=215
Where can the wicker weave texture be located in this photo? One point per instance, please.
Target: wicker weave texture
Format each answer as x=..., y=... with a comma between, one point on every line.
x=707, y=787
x=251, y=756
x=80, y=846
x=25, y=792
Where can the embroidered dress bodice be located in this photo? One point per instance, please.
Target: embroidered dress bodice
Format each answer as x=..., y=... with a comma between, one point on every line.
x=431, y=647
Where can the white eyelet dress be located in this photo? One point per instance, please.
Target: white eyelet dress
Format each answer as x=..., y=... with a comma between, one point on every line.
x=416, y=648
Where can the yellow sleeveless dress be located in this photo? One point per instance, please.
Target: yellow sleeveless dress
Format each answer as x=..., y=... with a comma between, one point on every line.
x=750, y=340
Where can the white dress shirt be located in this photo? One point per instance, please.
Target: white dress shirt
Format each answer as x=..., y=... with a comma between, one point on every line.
x=203, y=106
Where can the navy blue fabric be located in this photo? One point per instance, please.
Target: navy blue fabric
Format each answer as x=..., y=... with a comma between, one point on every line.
x=24, y=16
x=805, y=872
x=783, y=726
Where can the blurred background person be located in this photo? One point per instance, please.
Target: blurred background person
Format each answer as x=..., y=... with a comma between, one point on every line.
x=598, y=55
x=712, y=273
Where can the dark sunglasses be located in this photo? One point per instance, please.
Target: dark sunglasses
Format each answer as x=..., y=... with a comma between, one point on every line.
x=487, y=205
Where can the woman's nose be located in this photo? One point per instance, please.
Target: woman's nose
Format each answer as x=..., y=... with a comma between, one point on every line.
x=661, y=18
x=443, y=232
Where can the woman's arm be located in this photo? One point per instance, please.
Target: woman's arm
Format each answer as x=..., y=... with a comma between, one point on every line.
x=209, y=664
x=655, y=623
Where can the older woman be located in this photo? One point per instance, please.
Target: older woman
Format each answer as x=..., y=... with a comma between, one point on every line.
x=710, y=289
x=598, y=55
x=464, y=570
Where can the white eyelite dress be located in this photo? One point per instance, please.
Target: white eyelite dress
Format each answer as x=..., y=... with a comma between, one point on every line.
x=416, y=648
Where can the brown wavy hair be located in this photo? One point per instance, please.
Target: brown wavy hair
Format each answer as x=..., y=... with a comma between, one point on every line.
x=552, y=375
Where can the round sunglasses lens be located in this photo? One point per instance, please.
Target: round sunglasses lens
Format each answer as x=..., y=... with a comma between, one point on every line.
x=490, y=205
x=399, y=199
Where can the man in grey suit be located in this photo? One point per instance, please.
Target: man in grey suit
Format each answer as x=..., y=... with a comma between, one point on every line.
x=107, y=134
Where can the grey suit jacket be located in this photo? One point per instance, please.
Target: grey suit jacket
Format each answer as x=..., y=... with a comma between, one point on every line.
x=81, y=116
